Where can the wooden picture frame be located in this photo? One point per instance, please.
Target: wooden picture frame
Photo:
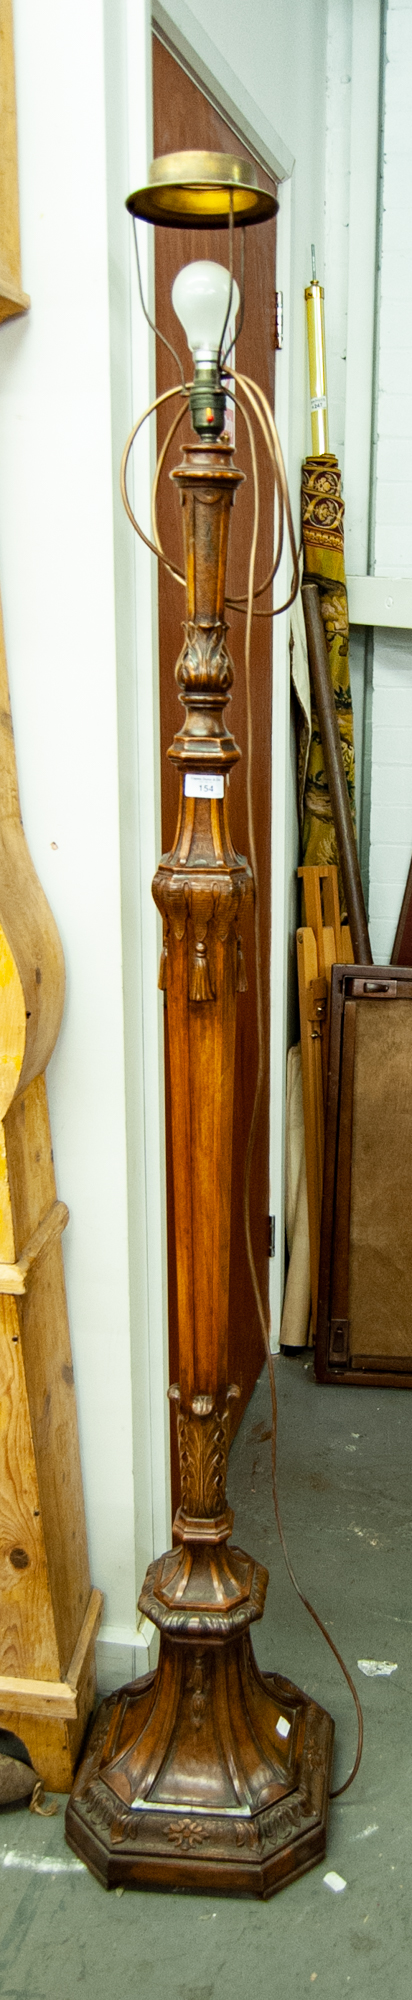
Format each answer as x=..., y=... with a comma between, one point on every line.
x=364, y=1321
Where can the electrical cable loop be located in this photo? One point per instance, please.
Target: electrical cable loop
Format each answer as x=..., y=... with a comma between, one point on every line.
x=261, y=408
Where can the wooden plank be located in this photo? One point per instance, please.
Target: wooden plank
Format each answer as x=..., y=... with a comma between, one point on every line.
x=38, y=1697
x=44, y=1574
x=55, y=1698
x=322, y=911
x=30, y=1161
x=12, y=299
x=347, y=947
x=332, y=1127
x=89, y=1631
x=312, y=878
x=331, y=908
x=14, y=1278
x=341, y=1234
x=28, y=1643
x=312, y=1088
x=26, y=919
x=52, y=1403
x=54, y=1741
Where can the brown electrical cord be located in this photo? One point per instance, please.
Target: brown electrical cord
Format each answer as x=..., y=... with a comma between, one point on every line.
x=261, y=408
x=265, y=419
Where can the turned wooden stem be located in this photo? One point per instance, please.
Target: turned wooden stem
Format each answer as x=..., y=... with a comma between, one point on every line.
x=201, y=888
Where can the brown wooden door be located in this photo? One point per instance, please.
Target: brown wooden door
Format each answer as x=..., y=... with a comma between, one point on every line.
x=184, y=118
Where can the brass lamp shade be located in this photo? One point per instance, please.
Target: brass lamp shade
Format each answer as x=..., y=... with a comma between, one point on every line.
x=195, y=189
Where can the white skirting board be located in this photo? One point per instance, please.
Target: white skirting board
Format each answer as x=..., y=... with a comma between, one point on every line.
x=125, y=1655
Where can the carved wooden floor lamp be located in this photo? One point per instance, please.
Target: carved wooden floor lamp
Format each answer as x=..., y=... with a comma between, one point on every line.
x=207, y=1774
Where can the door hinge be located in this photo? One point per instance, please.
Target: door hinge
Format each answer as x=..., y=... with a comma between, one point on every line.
x=272, y=1235
x=278, y=320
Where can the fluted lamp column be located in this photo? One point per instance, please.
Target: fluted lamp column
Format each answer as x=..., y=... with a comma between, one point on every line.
x=208, y=1774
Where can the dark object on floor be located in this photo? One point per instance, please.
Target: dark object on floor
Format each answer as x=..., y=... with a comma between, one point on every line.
x=364, y=1325
x=291, y=1352
x=402, y=948
x=17, y=1775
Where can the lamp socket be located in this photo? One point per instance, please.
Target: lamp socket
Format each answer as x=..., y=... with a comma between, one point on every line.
x=208, y=402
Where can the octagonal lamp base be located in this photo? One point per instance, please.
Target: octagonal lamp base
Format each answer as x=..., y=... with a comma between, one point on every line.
x=207, y=1775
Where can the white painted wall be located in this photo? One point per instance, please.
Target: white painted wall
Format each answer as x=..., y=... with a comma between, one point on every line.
x=277, y=53
x=56, y=566
x=352, y=133
x=391, y=801
x=68, y=585
x=378, y=517
x=391, y=798
x=337, y=201
x=80, y=616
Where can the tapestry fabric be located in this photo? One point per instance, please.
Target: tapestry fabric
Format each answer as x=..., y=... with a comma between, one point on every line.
x=324, y=564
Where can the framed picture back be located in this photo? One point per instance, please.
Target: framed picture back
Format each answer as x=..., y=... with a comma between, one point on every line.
x=364, y=1324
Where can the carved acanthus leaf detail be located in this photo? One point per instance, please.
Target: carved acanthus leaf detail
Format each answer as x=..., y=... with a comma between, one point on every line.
x=204, y=662
x=203, y=1438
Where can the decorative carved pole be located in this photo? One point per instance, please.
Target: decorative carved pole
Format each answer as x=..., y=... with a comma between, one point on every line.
x=200, y=889
x=208, y=1773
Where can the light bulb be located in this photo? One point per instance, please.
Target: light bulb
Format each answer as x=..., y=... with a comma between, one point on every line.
x=200, y=297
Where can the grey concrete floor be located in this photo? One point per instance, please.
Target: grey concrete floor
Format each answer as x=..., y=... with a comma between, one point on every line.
x=344, y=1482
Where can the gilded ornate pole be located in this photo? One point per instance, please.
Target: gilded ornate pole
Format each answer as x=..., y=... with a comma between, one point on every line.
x=208, y=1773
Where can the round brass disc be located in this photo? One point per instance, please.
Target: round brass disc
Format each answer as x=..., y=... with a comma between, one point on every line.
x=194, y=190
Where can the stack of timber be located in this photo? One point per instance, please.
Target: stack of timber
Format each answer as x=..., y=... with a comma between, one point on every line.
x=49, y=1615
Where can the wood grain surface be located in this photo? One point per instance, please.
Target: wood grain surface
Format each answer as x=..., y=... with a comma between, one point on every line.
x=44, y=1570
x=183, y=117
x=12, y=299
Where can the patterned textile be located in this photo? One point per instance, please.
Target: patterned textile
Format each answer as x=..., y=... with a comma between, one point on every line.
x=324, y=563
